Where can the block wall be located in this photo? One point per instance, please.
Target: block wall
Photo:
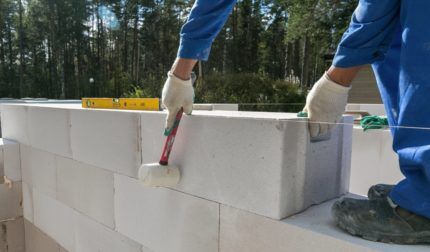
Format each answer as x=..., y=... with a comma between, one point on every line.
x=78, y=171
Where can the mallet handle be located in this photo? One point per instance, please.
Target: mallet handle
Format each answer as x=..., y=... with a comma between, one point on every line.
x=168, y=144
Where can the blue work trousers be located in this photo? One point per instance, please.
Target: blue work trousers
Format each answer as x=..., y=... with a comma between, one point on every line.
x=394, y=36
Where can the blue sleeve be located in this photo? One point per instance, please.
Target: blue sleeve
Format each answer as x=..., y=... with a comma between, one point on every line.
x=205, y=21
x=370, y=33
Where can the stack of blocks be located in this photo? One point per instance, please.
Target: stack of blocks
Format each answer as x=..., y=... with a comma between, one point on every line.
x=241, y=172
x=11, y=221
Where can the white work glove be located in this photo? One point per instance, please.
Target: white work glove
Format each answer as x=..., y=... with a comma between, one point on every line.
x=177, y=94
x=325, y=105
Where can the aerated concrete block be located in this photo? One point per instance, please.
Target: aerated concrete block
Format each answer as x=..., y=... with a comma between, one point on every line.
x=373, y=160
x=55, y=219
x=10, y=201
x=39, y=170
x=312, y=230
x=87, y=188
x=49, y=130
x=12, y=238
x=14, y=123
x=165, y=220
x=264, y=163
x=11, y=159
x=1, y=167
x=107, y=139
x=27, y=201
x=92, y=236
x=74, y=231
x=37, y=241
x=373, y=109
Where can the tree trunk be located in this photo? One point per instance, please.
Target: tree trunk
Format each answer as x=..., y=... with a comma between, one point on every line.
x=21, y=50
x=305, y=64
x=135, y=43
x=296, y=59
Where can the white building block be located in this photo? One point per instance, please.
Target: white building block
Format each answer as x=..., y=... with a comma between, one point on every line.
x=11, y=159
x=163, y=219
x=27, y=201
x=86, y=188
x=1, y=166
x=217, y=106
x=26, y=162
x=260, y=162
x=312, y=230
x=49, y=130
x=14, y=123
x=373, y=160
x=39, y=170
x=373, y=109
x=92, y=236
x=107, y=139
x=37, y=241
x=226, y=107
x=10, y=201
x=55, y=219
x=12, y=237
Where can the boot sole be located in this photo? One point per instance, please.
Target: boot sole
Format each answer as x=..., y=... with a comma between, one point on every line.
x=404, y=239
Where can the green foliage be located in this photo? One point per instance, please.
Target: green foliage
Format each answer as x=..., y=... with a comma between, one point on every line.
x=70, y=49
x=252, y=91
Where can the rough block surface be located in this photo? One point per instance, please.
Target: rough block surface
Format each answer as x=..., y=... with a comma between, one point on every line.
x=37, y=241
x=107, y=139
x=12, y=237
x=163, y=219
x=1, y=166
x=11, y=159
x=10, y=201
x=49, y=130
x=39, y=170
x=92, y=236
x=27, y=201
x=75, y=231
x=55, y=219
x=373, y=160
x=14, y=123
x=86, y=188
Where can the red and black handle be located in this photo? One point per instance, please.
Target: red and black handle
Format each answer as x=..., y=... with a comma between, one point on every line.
x=168, y=144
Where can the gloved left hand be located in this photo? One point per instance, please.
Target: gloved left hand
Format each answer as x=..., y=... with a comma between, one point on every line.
x=177, y=94
x=325, y=105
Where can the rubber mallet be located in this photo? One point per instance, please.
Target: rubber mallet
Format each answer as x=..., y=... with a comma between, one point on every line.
x=161, y=173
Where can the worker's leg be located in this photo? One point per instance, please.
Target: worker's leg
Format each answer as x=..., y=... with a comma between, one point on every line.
x=404, y=216
x=413, y=145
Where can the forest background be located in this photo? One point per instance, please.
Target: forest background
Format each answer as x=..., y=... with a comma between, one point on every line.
x=268, y=52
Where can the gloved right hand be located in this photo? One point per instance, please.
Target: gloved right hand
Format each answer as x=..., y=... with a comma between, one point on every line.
x=325, y=105
x=177, y=94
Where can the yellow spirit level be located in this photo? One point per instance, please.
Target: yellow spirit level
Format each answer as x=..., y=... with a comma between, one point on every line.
x=152, y=104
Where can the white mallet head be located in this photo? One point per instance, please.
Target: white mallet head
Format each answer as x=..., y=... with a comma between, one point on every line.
x=156, y=175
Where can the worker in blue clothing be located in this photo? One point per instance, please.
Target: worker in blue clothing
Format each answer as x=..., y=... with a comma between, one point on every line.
x=393, y=36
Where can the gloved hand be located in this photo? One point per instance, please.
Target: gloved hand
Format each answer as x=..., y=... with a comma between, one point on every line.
x=325, y=103
x=177, y=94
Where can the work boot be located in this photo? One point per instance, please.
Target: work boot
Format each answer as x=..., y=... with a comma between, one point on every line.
x=379, y=191
x=381, y=220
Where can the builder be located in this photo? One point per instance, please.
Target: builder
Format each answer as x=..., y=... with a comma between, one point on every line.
x=394, y=37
